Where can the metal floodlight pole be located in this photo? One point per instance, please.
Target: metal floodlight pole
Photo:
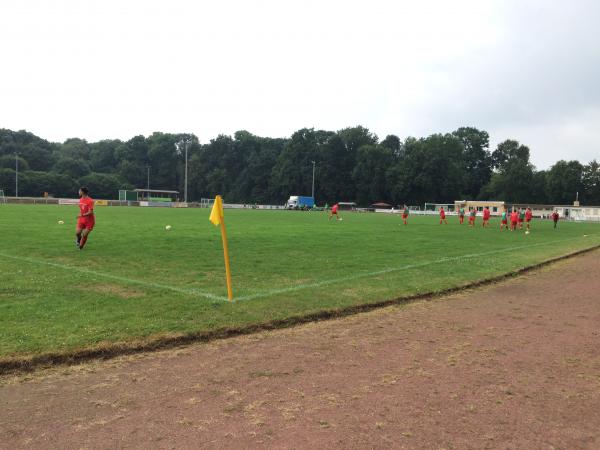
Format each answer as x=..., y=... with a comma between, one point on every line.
x=16, y=174
x=148, y=186
x=186, y=171
x=313, y=181
x=185, y=143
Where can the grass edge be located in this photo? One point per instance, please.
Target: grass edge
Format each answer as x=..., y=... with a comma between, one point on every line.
x=28, y=363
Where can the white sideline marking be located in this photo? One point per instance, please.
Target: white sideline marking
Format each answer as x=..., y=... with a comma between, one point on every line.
x=198, y=293
x=192, y=292
x=389, y=270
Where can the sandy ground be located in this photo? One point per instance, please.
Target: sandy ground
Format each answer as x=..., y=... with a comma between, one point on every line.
x=515, y=365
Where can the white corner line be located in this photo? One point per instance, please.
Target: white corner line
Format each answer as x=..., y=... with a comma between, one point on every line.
x=192, y=292
x=387, y=270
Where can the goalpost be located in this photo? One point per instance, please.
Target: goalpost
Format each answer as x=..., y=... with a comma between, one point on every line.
x=206, y=202
x=576, y=214
x=2, y=197
x=128, y=196
x=434, y=207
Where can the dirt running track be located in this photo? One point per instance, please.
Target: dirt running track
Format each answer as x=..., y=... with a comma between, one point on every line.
x=515, y=365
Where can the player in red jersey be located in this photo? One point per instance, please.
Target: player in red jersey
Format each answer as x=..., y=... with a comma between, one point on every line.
x=443, y=216
x=405, y=214
x=555, y=217
x=528, y=217
x=486, y=217
x=514, y=219
x=334, y=212
x=472, y=217
x=85, y=219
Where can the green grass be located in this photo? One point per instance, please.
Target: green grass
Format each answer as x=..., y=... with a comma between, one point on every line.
x=54, y=297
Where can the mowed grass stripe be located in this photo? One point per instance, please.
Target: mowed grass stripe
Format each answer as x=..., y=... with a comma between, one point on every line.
x=386, y=271
x=94, y=273
x=276, y=291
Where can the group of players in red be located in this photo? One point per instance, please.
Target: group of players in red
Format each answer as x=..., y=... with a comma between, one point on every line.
x=516, y=218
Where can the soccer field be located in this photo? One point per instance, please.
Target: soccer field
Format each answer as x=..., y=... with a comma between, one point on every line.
x=135, y=280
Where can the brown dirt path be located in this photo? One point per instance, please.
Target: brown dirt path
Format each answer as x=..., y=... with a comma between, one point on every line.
x=515, y=365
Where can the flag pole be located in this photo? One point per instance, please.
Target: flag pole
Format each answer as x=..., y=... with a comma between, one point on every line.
x=226, y=256
x=217, y=217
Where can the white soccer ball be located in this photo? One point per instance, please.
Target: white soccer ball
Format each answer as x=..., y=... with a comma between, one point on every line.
x=168, y=227
x=341, y=218
x=61, y=222
x=527, y=232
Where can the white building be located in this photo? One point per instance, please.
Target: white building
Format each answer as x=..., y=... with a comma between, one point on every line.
x=566, y=212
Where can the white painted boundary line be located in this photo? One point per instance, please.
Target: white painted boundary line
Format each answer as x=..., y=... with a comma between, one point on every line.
x=198, y=293
x=192, y=292
x=385, y=271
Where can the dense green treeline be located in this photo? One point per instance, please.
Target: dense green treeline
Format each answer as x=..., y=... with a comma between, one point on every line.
x=350, y=165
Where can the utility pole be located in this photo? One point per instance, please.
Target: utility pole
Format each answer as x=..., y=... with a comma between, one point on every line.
x=185, y=143
x=16, y=174
x=185, y=191
x=313, y=181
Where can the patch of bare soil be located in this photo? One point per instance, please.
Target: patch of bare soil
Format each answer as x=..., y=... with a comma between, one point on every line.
x=514, y=365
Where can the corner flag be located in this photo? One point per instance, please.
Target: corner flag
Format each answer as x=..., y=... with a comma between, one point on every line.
x=217, y=218
x=216, y=215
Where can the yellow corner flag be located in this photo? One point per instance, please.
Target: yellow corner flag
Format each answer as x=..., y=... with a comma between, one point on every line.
x=217, y=218
x=216, y=215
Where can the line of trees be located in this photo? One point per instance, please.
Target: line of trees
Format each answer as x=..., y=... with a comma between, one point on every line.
x=351, y=165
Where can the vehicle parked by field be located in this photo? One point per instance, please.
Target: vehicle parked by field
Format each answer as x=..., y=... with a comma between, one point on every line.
x=300, y=202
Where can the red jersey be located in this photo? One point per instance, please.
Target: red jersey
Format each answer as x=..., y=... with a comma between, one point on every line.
x=442, y=214
x=334, y=208
x=528, y=215
x=86, y=204
x=486, y=214
x=555, y=216
x=514, y=216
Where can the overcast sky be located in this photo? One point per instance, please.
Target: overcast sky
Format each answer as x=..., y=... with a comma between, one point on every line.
x=526, y=70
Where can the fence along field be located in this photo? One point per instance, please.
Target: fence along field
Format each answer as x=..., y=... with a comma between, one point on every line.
x=137, y=281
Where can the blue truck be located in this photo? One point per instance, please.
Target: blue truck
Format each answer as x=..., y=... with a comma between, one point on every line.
x=300, y=202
